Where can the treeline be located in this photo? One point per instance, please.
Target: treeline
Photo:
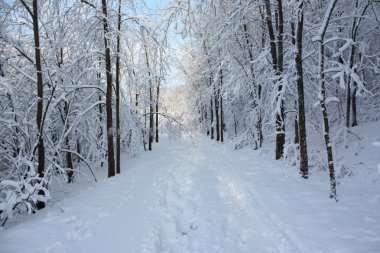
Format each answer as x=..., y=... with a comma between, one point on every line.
x=283, y=69
x=79, y=82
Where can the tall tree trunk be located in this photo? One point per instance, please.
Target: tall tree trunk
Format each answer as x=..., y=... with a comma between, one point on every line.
x=158, y=95
x=221, y=120
x=354, y=30
x=280, y=118
x=69, y=162
x=354, y=110
x=216, y=104
x=221, y=108
x=118, y=90
x=277, y=62
x=322, y=97
x=304, y=167
x=100, y=108
x=150, y=136
x=293, y=39
x=212, y=119
x=145, y=128
x=348, y=102
x=150, y=116
x=69, y=158
x=111, y=154
x=37, y=52
x=256, y=88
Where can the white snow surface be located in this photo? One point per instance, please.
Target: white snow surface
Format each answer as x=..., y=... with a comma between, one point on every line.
x=204, y=197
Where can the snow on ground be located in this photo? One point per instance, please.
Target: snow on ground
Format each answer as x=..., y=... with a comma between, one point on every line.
x=203, y=197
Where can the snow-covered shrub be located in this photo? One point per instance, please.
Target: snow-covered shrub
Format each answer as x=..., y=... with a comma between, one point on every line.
x=21, y=189
x=291, y=154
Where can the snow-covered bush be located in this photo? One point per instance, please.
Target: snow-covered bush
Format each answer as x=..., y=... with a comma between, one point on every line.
x=21, y=188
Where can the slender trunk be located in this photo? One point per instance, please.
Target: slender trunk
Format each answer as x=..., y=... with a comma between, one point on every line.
x=111, y=155
x=118, y=90
x=280, y=118
x=304, y=167
x=205, y=119
x=259, y=122
x=354, y=31
x=144, y=131
x=69, y=159
x=322, y=98
x=101, y=128
x=296, y=132
x=216, y=104
x=256, y=88
x=348, y=102
x=221, y=121
x=100, y=108
x=235, y=126
x=354, y=110
x=273, y=49
x=78, y=150
x=158, y=94
x=330, y=159
x=277, y=62
x=212, y=119
x=150, y=117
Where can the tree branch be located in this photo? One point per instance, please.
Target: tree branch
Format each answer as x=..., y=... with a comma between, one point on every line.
x=27, y=8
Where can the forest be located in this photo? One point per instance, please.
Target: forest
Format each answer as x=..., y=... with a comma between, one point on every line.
x=89, y=86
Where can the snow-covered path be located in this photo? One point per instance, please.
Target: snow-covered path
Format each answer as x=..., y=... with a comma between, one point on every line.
x=203, y=198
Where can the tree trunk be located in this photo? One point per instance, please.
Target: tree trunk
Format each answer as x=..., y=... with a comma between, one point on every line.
x=118, y=90
x=144, y=131
x=354, y=110
x=221, y=121
x=348, y=102
x=322, y=98
x=69, y=159
x=212, y=119
x=111, y=155
x=304, y=167
x=150, y=116
x=256, y=88
x=37, y=52
x=296, y=131
x=78, y=150
x=354, y=31
x=100, y=108
x=221, y=108
x=277, y=62
x=216, y=103
x=280, y=118
x=158, y=94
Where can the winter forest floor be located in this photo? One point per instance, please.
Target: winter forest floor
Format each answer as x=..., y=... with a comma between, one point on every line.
x=202, y=197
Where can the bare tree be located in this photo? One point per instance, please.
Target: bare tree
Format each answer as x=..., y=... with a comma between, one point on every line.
x=37, y=52
x=301, y=100
x=111, y=154
x=322, y=94
x=278, y=65
x=117, y=89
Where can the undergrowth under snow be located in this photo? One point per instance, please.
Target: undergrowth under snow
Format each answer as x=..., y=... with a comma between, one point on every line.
x=199, y=196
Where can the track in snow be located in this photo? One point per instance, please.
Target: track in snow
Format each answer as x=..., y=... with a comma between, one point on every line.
x=199, y=197
x=206, y=206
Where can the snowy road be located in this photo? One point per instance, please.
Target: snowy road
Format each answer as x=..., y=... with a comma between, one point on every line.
x=201, y=198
